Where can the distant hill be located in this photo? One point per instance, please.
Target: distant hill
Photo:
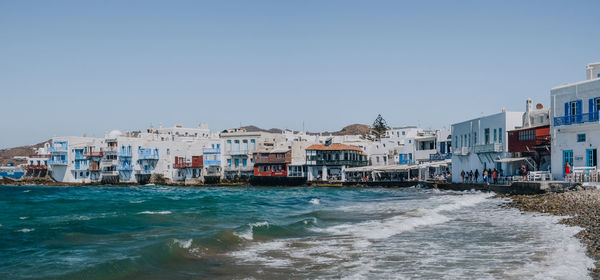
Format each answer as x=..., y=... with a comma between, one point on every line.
x=6, y=155
x=353, y=129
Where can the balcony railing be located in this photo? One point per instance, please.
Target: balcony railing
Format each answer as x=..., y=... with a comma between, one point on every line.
x=81, y=167
x=144, y=172
x=461, y=151
x=436, y=157
x=147, y=155
x=577, y=119
x=181, y=165
x=39, y=156
x=57, y=162
x=212, y=162
x=211, y=150
x=124, y=153
x=488, y=148
x=110, y=173
x=94, y=154
x=57, y=149
x=124, y=167
x=36, y=167
x=238, y=152
x=110, y=149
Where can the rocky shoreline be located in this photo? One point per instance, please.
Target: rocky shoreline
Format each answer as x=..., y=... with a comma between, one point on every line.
x=583, y=209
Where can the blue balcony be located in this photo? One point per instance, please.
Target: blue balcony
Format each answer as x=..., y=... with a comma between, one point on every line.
x=124, y=153
x=57, y=162
x=148, y=154
x=61, y=146
x=82, y=166
x=212, y=162
x=577, y=119
x=211, y=150
x=124, y=167
x=437, y=157
x=144, y=172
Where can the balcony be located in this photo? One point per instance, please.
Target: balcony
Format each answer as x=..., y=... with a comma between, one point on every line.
x=181, y=165
x=110, y=150
x=211, y=150
x=94, y=154
x=461, y=151
x=436, y=157
x=57, y=162
x=144, y=172
x=147, y=155
x=593, y=117
x=36, y=167
x=81, y=167
x=58, y=149
x=39, y=156
x=212, y=162
x=110, y=173
x=124, y=167
x=124, y=153
x=488, y=148
x=238, y=152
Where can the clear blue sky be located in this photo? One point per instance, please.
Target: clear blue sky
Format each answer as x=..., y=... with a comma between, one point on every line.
x=75, y=67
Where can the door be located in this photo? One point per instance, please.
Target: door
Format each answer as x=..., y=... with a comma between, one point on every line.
x=567, y=157
x=590, y=158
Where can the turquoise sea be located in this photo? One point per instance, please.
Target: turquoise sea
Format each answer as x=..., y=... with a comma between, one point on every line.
x=157, y=232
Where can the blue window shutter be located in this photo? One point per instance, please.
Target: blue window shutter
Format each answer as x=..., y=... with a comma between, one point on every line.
x=566, y=108
x=591, y=105
x=579, y=106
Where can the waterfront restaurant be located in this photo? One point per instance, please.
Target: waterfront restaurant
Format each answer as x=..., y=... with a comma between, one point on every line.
x=327, y=162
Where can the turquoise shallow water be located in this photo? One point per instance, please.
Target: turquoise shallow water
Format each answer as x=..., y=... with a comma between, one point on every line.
x=274, y=233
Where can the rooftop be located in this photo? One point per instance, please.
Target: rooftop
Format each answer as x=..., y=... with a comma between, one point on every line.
x=333, y=147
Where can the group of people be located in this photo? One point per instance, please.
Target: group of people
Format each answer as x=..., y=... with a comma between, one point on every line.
x=489, y=175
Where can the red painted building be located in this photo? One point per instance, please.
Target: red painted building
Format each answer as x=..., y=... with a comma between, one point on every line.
x=182, y=162
x=533, y=143
x=272, y=163
x=529, y=139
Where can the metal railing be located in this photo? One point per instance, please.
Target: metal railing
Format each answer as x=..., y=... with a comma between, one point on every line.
x=577, y=119
x=435, y=157
x=211, y=150
x=57, y=162
x=488, y=148
x=55, y=149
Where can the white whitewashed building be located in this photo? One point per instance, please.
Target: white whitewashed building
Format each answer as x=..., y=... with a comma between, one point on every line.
x=480, y=142
x=575, y=125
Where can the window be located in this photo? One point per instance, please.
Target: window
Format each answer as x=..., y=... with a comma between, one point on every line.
x=573, y=108
x=475, y=138
x=244, y=162
x=495, y=135
x=245, y=147
x=237, y=162
x=499, y=135
x=597, y=104
x=581, y=137
x=229, y=145
x=236, y=144
x=253, y=144
x=229, y=162
x=486, y=135
x=403, y=132
x=168, y=151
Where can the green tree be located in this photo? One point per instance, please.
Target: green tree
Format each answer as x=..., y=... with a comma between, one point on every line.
x=379, y=127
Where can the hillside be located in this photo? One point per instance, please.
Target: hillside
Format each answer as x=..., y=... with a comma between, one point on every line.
x=6, y=155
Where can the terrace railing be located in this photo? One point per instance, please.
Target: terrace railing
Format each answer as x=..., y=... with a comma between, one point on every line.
x=577, y=119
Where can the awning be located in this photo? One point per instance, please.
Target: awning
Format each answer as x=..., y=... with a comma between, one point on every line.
x=511, y=159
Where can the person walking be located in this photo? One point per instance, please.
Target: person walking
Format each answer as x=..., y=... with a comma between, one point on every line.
x=462, y=174
x=495, y=176
x=471, y=176
x=485, y=176
x=567, y=170
x=476, y=175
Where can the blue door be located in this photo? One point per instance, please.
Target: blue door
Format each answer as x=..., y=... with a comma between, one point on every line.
x=567, y=157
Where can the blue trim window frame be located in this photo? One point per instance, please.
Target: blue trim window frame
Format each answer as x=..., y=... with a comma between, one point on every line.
x=581, y=138
x=591, y=157
x=229, y=162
